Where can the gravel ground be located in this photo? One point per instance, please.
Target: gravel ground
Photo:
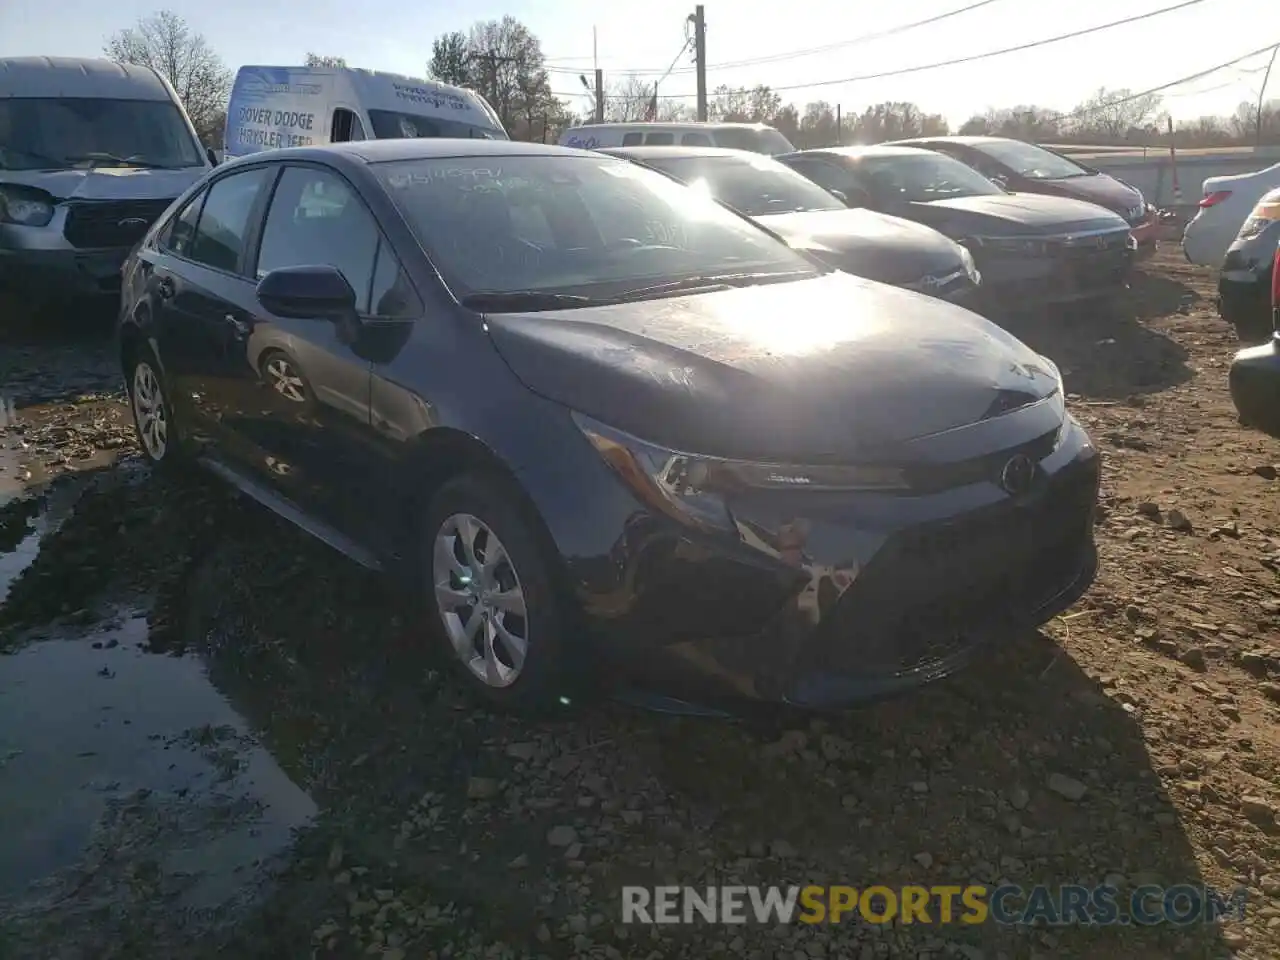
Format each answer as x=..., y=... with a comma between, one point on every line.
x=1136, y=739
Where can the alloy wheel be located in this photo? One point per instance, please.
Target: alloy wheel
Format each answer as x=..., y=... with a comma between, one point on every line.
x=481, y=600
x=149, y=411
x=285, y=380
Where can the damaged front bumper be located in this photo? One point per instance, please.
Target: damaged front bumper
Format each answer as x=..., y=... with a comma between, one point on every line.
x=854, y=602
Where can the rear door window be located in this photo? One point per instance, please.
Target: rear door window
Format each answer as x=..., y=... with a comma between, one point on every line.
x=224, y=221
x=632, y=139
x=695, y=140
x=659, y=139
x=178, y=234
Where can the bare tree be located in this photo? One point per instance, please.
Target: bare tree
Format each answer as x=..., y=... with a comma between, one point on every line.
x=316, y=60
x=506, y=63
x=1112, y=114
x=164, y=42
x=758, y=104
x=631, y=99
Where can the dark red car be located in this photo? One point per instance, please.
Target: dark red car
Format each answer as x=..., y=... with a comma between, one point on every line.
x=1022, y=167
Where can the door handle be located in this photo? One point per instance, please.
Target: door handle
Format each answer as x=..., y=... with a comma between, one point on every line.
x=240, y=328
x=165, y=288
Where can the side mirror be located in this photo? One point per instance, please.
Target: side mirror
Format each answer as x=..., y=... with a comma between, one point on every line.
x=854, y=197
x=213, y=157
x=840, y=195
x=310, y=292
x=999, y=181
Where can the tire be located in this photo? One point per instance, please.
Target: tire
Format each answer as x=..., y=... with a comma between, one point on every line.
x=153, y=419
x=1251, y=331
x=487, y=506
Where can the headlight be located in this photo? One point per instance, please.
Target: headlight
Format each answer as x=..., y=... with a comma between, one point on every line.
x=970, y=267
x=24, y=206
x=1053, y=371
x=693, y=488
x=1131, y=242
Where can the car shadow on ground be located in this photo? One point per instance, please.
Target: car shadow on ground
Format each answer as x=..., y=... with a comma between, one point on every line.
x=1111, y=354
x=430, y=795
x=444, y=826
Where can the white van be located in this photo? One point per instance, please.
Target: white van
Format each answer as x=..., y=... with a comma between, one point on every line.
x=303, y=106
x=756, y=137
x=91, y=153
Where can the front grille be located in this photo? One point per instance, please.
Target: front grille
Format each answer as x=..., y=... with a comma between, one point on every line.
x=929, y=591
x=111, y=223
x=932, y=478
x=1091, y=261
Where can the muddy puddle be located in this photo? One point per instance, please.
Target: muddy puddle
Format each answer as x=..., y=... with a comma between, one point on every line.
x=127, y=777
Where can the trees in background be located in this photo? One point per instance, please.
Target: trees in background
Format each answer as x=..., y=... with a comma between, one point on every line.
x=165, y=42
x=503, y=60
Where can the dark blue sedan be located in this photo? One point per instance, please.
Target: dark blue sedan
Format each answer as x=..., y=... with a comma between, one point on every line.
x=599, y=426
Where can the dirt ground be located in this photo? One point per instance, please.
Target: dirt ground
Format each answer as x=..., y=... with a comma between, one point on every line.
x=219, y=738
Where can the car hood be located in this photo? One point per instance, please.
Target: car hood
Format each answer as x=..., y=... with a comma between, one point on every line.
x=1098, y=188
x=869, y=244
x=1015, y=214
x=108, y=183
x=834, y=367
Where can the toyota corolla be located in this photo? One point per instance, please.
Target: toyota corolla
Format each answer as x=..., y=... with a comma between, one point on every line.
x=601, y=426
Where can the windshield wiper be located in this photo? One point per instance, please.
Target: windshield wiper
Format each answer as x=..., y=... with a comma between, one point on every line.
x=505, y=300
x=50, y=162
x=134, y=161
x=710, y=282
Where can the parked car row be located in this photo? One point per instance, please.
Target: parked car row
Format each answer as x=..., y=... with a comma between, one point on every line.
x=675, y=418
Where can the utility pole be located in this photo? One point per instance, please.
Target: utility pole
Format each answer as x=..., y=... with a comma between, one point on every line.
x=839, y=131
x=599, y=95
x=700, y=56
x=1262, y=93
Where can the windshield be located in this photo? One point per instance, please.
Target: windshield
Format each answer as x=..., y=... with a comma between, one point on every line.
x=60, y=133
x=579, y=225
x=757, y=186
x=921, y=178
x=1028, y=160
x=765, y=140
x=390, y=125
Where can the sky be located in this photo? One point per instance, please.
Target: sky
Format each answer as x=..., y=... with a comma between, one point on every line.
x=395, y=36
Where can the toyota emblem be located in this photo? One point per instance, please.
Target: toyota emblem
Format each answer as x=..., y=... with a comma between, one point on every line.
x=1018, y=474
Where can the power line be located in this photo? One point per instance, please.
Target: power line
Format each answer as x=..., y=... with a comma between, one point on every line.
x=919, y=68
x=997, y=53
x=1165, y=86
x=865, y=38
x=806, y=52
x=1110, y=103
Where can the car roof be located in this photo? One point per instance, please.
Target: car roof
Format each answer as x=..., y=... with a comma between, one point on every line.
x=674, y=124
x=963, y=141
x=81, y=78
x=874, y=150
x=677, y=153
x=420, y=148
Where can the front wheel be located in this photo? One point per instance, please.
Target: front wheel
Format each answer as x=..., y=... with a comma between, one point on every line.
x=490, y=588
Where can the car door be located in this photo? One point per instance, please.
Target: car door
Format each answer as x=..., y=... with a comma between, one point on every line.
x=308, y=411
x=200, y=289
